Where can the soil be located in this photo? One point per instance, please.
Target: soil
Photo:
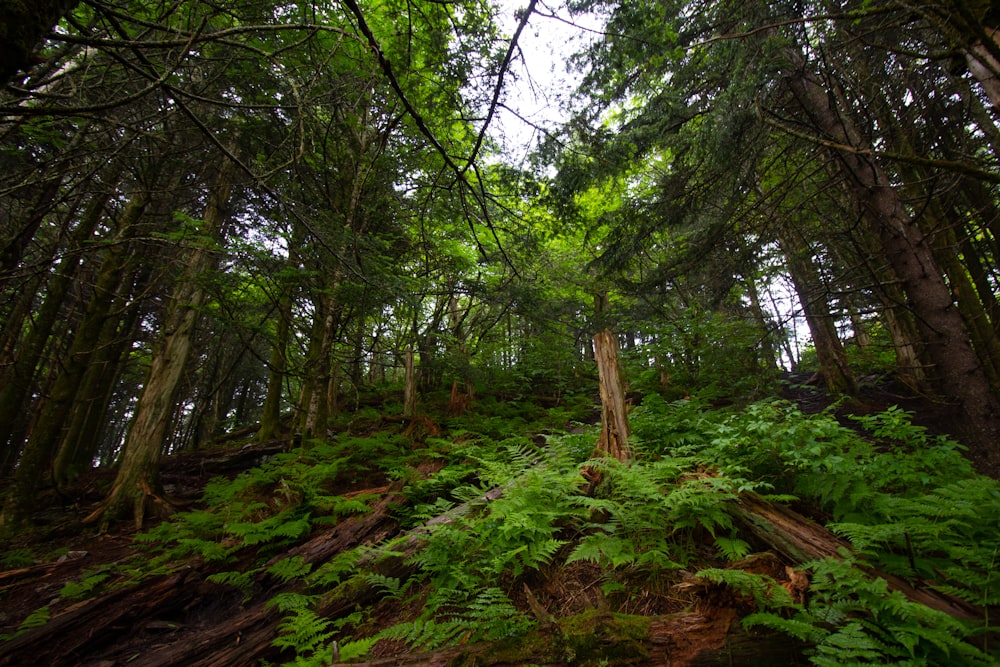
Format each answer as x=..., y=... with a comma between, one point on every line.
x=184, y=607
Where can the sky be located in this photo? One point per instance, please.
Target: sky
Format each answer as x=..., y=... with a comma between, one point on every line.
x=539, y=81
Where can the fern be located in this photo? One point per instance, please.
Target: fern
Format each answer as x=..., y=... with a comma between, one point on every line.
x=356, y=649
x=732, y=548
x=764, y=590
x=287, y=569
x=605, y=549
x=304, y=631
x=391, y=587
x=242, y=581
x=852, y=618
x=35, y=619
x=487, y=616
x=75, y=590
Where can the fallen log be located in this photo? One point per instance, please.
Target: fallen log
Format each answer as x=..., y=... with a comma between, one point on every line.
x=684, y=639
x=100, y=628
x=800, y=540
x=84, y=628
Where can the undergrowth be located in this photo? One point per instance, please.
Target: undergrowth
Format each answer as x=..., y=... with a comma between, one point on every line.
x=509, y=508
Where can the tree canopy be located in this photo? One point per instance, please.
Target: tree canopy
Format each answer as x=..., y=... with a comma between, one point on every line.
x=282, y=224
x=221, y=214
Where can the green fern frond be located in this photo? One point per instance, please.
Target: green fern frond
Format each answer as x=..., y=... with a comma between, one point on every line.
x=304, y=631
x=35, y=619
x=391, y=587
x=242, y=581
x=732, y=548
x=287, y=569
x=764, y=590
x=424, y=634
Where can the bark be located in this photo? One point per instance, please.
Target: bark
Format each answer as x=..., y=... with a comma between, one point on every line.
x=985, y=67
x=906, y=344
x=409, y=385
x=813, y=297
x=613, y=441
x=270, y=418
x=137, y=488
x=44, y=439
x=83, y=438
x=60, y=641
x=23, y=26
x=17, y=387
x=946, y=339
x=969, y=304
x=314, y=402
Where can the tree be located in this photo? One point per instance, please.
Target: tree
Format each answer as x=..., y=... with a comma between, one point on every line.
x=136, y=488
x=23, y=26
x=732, y=86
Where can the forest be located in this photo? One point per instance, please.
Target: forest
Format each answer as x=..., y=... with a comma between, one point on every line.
x=372, y=332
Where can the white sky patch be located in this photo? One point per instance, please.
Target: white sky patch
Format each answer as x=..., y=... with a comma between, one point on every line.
x=539, y=82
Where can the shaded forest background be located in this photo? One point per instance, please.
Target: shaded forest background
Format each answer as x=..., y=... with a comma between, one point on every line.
x=249, y=217
x=216, y=215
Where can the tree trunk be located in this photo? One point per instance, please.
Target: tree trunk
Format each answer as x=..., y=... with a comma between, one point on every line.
x=409, y=385
x=270, y=418
x=137, y=488
x=316, y=383
x=16, y=388
x=44, y=438
x=812, y=296
x=908, y=252
x=613, y=441
x=985, y=66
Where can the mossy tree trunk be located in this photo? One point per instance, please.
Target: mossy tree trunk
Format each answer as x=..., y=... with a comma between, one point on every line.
x=137, y=489
x=17, y=383
x=907, y=249
x=44, y=438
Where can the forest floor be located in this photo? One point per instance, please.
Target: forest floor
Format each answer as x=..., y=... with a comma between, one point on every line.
x=164, y=619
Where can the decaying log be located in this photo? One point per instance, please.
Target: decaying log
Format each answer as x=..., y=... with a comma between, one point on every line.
x=799, y=540
x=84, y=627
x=614, y=408
x=685, y=639
x=93, y=629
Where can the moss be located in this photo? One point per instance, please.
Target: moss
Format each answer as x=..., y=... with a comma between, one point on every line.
x=591, y=638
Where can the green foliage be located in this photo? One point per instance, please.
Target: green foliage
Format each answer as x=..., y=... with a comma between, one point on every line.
x=77, y=590
x=287, y=569
x=853, y=618
x=305, y=632
x=35, y=619
x=909, y=502
x=242, y=581
x=764, y=590
x=488, y=615
x=272, y=506
x=16, y=558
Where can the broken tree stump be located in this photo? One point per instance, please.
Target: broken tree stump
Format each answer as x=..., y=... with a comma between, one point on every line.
x=614, y=408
